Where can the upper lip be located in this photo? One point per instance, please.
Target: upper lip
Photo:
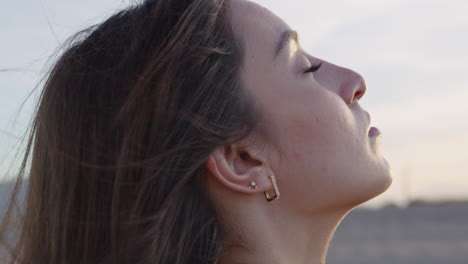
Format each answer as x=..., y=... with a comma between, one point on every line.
x=367, y=115
x=368, y=119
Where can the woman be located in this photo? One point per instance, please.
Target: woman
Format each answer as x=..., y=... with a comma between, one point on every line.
x=195, y=131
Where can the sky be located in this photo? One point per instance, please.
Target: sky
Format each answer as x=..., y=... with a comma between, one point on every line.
x=411, y=53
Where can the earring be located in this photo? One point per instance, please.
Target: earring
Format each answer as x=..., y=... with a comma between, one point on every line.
x=253, y=185
x=275, y=187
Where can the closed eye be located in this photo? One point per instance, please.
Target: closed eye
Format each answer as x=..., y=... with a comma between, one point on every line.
x=313, y=68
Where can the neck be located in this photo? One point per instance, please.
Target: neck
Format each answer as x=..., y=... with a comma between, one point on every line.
x=277, y=240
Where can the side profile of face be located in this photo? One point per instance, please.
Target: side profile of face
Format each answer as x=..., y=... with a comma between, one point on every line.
x=319, y=146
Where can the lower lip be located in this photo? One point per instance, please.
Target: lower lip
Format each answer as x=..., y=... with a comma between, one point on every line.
x=373, y=132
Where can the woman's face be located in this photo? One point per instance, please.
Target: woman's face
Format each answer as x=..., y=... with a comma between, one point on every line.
x=328, y=159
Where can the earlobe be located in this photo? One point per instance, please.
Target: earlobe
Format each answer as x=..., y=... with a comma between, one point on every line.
x=253, y=185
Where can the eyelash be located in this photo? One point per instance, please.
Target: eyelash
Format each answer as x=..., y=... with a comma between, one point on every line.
x=313, y=68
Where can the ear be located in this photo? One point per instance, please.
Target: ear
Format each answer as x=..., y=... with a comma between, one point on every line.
x=235, y=167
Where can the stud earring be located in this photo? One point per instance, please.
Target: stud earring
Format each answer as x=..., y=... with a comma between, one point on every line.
x=253, y=185
x=275, y=187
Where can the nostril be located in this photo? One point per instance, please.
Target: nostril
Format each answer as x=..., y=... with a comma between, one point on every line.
x=352, y=86
x=358, y=95
x=361, y=89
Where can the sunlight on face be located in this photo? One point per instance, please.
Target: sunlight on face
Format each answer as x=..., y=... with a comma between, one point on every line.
x=329, y=153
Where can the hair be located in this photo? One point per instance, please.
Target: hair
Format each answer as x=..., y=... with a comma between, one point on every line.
x=127, y=117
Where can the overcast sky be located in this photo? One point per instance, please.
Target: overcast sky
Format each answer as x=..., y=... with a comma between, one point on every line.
x=412, y=54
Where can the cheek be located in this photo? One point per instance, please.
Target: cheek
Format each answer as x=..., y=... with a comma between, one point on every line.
x=319, y=129
x=318, y=141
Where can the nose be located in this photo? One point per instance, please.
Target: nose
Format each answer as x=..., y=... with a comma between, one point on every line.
x=353, y=86
x=345, y=82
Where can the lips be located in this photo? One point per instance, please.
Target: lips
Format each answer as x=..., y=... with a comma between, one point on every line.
x=373, y=132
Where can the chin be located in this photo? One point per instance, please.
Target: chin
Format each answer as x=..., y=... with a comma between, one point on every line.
x=385, y=177
x=369, y=188
x=381, y=187
x=381, y=181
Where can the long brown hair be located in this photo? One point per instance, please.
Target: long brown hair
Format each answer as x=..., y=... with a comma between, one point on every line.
x=127, y=116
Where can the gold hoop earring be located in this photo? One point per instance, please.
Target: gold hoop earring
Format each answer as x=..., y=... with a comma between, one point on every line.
x=253, y=185
x=275, y=187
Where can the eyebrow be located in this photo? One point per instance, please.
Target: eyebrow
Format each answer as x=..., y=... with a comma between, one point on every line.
x=285, y=39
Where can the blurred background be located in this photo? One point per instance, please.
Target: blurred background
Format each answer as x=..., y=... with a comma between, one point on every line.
x=413, y=55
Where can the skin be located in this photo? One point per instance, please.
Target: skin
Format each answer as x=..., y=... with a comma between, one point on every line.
x=313, y=138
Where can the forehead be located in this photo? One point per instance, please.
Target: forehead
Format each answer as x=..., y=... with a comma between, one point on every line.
x=257, y=26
